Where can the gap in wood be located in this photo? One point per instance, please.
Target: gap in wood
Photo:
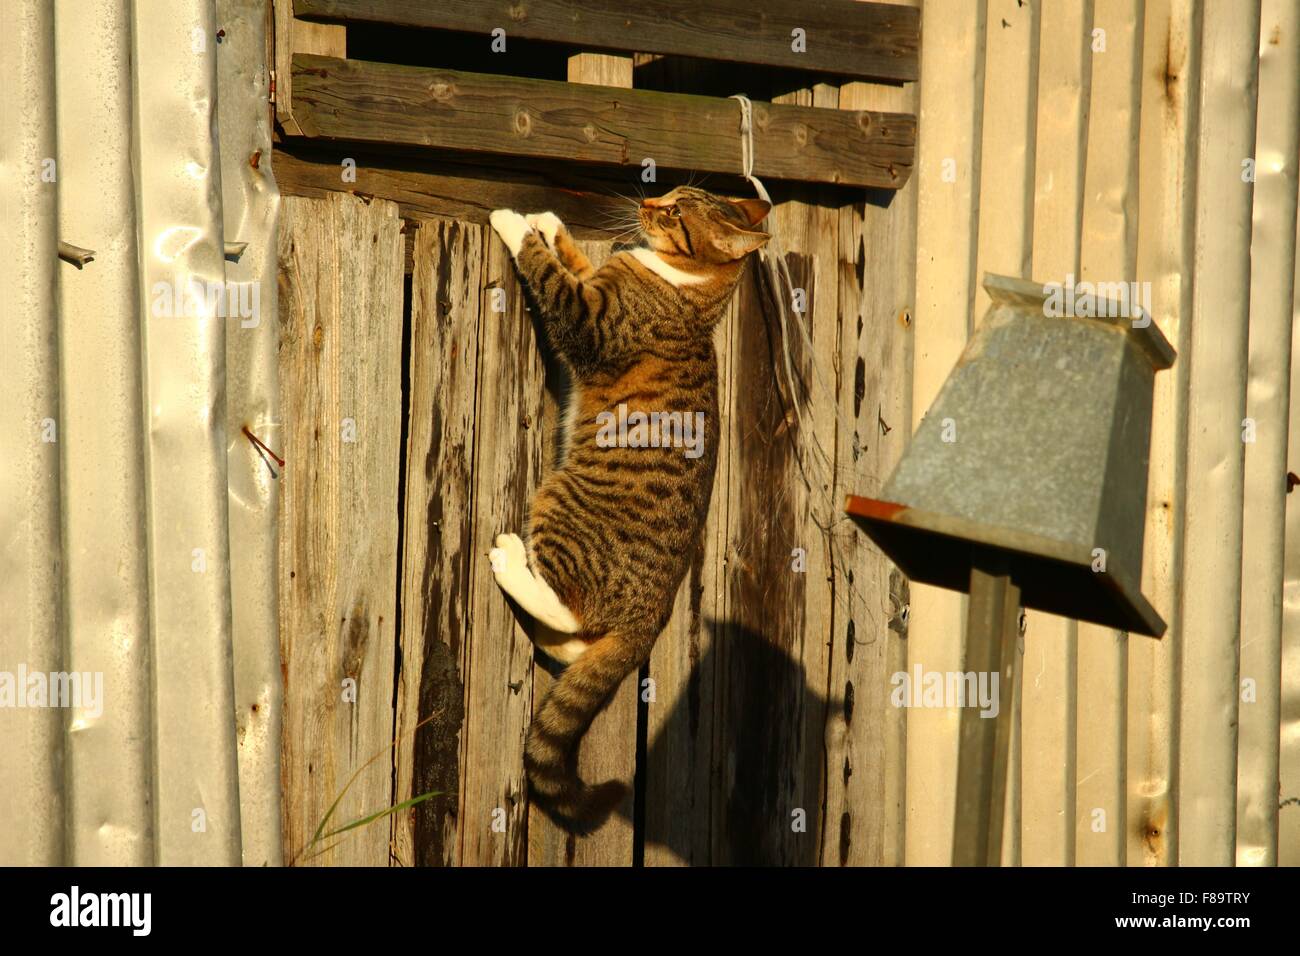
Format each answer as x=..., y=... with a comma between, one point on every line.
x=408, y=229
x=542, y=60
x=451, y=50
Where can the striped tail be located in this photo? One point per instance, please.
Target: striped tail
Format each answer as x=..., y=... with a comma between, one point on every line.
x=565, y=714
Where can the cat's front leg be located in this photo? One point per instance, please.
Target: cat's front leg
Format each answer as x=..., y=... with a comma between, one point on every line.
x=558, y=240
x=580, y=319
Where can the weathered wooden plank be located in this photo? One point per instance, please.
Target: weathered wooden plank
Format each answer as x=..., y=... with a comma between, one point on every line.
x=609, y=748
x=866, y=739
x=445, y=109
x=437, y=551
x=866, y=40
x=289, y=36
x=769, y=722
x=809, y=222
x=507, y=465
x=601, y=69
x=453, y=190
x=340, y=373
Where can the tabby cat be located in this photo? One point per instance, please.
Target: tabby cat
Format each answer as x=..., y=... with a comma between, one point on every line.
x=612, y=530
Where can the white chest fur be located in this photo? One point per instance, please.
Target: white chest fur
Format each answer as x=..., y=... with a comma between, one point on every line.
x=671, y=274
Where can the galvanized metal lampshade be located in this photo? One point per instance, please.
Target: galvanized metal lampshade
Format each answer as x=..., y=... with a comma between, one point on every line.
x=1035, y=453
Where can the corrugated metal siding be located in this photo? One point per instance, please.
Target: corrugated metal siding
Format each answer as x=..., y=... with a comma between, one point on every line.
x=119, y=544
x=1132, y=750
x=31, y=741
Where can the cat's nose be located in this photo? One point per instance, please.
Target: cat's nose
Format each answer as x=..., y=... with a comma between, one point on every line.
x=655, y=203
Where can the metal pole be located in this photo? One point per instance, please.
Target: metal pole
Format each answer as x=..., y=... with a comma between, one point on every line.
x=984, y=743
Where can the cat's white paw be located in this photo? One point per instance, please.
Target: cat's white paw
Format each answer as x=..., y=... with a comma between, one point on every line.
x=547, y=224
x=511, y=551
x=511, y=227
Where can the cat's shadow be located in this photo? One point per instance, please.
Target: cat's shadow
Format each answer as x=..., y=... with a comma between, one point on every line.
x=733, y=774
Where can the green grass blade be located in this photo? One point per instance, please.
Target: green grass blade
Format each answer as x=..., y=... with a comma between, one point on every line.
x=383, y=813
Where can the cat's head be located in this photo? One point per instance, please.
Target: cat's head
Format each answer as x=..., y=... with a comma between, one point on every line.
x=697, y=225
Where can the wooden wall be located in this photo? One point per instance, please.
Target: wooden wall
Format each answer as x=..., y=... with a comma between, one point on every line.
x=760, y=719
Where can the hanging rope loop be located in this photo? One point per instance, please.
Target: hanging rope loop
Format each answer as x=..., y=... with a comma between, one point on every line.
x=817, y=466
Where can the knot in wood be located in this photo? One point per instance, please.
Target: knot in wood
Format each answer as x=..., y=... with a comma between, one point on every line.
x=523, y=122
x=590, y=133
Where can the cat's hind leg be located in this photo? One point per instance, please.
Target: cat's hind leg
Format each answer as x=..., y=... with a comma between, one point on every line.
x=532, y=593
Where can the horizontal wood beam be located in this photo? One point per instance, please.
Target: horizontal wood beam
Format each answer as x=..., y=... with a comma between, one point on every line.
x=444, y=109
x=860, y=40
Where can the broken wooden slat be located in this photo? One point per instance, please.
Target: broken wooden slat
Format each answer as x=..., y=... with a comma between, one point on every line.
x=437, y=551
x=340, y=373
x=864, y=40
x=445, y=109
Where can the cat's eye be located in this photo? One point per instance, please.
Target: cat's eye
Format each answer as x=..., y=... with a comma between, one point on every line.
x=675, y=212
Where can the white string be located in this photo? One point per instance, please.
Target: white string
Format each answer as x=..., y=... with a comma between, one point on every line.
x=824, y=464
x=774, y=252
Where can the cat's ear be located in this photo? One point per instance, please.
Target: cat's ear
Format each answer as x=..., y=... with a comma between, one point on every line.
x=736, y=243
x=754, y=210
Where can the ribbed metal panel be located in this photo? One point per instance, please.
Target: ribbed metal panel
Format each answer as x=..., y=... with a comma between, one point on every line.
x=109, y=763
x=948, y=175
x=1211, y=569
x=121, y=435
x=251, y=206
x=1144, y=752
x=31, y=578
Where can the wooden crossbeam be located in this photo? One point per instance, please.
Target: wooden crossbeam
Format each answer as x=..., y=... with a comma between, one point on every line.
x=859, y=40
x=414, y=106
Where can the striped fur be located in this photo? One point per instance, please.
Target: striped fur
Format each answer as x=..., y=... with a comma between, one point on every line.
x=612, y=530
